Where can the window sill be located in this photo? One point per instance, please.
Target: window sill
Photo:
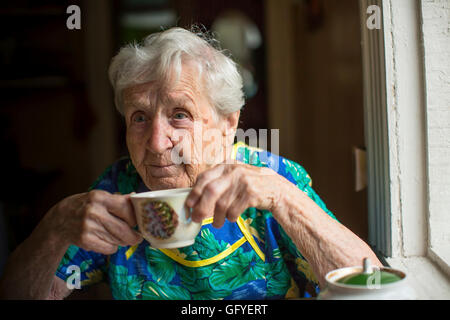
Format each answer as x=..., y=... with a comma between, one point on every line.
x=441, y=256
x=425, y=277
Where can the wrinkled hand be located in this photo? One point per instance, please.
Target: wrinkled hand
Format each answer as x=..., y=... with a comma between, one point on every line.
x=227, y=190
x=96, y=221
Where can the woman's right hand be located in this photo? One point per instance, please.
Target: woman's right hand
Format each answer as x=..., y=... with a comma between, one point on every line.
x=95, y=221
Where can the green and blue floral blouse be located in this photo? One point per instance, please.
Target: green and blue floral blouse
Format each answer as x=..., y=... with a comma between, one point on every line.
x=252, y=258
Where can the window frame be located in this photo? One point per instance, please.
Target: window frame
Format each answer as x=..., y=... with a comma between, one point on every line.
x=395, y=107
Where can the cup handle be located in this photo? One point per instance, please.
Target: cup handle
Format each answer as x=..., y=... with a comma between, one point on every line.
x=188, y=214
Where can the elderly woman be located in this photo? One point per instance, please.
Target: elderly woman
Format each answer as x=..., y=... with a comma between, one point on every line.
x=265, y=235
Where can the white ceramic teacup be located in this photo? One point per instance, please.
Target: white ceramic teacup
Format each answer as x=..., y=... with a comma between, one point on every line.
x=163, y=218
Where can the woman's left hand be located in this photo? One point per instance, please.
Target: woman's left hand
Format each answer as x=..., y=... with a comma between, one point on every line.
x=227, y=190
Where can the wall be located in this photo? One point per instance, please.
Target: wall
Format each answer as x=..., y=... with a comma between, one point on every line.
x=98, y=42
x=417, y=96
x=436, y=40
x=57, y=118
x=406, y=126
x=315, y=99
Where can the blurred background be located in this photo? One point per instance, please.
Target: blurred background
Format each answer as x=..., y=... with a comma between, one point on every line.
x=302, y=70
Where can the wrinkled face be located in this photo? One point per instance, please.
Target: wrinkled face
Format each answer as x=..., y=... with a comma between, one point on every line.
x=173, y=133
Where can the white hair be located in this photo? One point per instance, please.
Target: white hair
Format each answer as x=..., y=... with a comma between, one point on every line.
x=161, y=55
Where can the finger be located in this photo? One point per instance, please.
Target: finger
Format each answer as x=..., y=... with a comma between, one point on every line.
x=92, y=242
x=101, y=232
x=219, y=218
x=203, y=179
x=110, y=238
x=221, y=208
x=205, y=206
x=92, y=226
x=106, y=248
x=103, y=247
x=107, y=237
x=237, y=206
x=121, y=207
x=120, y=230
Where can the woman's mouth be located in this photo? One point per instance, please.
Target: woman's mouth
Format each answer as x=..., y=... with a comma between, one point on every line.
x=160, y=171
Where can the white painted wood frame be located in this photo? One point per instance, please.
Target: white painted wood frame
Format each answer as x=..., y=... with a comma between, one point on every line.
x=395, y=91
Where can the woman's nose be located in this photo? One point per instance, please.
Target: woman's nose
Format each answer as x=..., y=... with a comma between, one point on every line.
x=159, y=136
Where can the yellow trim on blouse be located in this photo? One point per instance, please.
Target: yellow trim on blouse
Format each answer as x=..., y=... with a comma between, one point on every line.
x=235, y=148
x=250, y=239
x=207, y=221
x=172, y=253
x=132, y=249
x=200, y=263
x=240, y=144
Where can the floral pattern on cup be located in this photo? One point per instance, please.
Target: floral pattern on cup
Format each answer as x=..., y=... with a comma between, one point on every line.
x=159, y=219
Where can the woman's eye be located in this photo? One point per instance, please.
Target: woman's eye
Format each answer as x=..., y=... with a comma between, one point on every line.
x=139, y=118
x=179, y=116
